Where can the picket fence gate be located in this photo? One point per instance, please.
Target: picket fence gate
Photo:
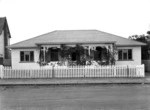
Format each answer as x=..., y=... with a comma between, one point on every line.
x=74, y=72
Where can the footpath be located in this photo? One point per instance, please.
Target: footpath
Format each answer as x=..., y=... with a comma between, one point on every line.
x=67, y=81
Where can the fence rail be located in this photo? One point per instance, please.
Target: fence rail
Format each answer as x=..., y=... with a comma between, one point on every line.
x=74, y=72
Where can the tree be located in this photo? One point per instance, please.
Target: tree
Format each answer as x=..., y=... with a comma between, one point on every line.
x=143, y=38
x=148, y=32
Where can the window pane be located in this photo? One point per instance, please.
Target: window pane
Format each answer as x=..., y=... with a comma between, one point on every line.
x=31, y=56
x=26, y=57
x=130, y=54
x=120, y=55
x=21, y=56
x=125, y=56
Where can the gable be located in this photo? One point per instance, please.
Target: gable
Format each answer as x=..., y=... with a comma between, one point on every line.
x=4, y=25
x=2, y=21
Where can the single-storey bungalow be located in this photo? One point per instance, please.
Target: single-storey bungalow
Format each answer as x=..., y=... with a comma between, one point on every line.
x=73, y=47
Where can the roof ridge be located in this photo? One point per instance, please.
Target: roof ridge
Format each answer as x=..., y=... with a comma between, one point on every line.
x=78, y=30
x=3, y=17
x=44, y=34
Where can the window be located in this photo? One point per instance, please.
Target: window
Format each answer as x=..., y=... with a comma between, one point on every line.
x=130, y=54
x=26, y=56
x=125, y=54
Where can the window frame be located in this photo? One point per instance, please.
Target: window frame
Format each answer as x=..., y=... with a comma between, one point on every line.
x=123, y=52
x=26, y=56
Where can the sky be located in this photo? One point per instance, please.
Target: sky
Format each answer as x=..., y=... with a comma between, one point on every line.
x=30, y=18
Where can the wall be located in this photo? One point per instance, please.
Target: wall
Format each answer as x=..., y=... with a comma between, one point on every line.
x=16, y=64
x=136, y=55
x=2, y=44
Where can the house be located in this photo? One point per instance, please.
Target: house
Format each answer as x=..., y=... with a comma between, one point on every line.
x=4, y=42
x=93, y=44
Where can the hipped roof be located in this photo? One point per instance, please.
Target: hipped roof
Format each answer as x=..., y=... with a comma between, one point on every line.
x=74, y=37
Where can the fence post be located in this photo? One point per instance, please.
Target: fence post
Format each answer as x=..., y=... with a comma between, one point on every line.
x=139, y=71
x=114, y=71
x=128, y=74
x=143, y=68
x=1, y=72
x=53, y=71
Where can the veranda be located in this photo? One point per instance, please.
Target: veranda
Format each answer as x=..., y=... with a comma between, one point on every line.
x=77, y=55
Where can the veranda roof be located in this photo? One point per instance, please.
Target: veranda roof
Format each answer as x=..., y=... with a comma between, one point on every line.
x=76, y=36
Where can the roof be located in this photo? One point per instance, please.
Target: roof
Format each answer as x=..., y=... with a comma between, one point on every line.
x=3, y=22
x=76, y=36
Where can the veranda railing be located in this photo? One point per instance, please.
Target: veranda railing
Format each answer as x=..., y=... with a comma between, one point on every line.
x=74, y=72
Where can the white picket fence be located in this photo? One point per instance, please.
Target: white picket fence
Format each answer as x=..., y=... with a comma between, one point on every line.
x=74, y=72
